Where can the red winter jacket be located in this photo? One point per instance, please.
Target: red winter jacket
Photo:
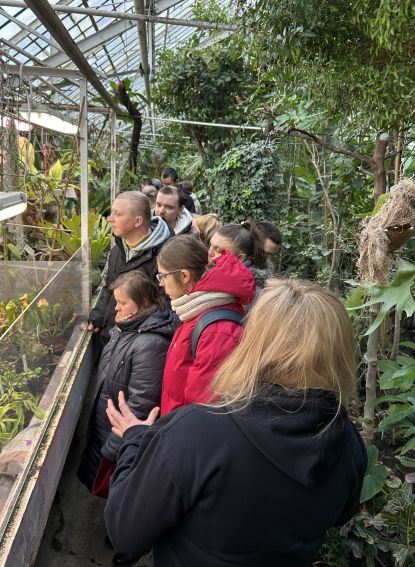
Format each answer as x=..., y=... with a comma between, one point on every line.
x=186, y=381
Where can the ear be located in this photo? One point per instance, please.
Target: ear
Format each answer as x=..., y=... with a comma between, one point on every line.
x=186, y=276
x=138, y=221
x=181, y=209
x=242, y=257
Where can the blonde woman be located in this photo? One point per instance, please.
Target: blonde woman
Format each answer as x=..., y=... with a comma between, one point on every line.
x=205, y=227
x=257, y=478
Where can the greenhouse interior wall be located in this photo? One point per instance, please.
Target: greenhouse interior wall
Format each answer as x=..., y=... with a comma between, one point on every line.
x=41, y=354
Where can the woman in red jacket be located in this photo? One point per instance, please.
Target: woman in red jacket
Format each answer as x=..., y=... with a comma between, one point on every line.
x=182, y=265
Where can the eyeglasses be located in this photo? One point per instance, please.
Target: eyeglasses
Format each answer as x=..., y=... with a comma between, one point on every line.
x=160, y=277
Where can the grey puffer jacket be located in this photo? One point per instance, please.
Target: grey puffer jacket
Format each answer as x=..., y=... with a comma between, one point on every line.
x=133, y=362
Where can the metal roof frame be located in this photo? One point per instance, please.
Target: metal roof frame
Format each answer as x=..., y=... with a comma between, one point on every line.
x=99, y=41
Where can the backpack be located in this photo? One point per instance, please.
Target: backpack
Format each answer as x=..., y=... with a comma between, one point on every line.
x=209, y=318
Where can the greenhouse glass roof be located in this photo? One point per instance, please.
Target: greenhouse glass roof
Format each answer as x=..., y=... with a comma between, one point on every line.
x=110, y=44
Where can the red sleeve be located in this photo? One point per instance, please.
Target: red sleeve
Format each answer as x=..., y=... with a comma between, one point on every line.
x=212, y=349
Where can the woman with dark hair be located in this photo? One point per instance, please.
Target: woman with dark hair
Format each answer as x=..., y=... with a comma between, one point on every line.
x=257, y=478
x=133, y=363
x=244, y=241
x=194, y=290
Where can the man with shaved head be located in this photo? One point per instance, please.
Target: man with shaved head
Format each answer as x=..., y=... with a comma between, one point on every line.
x=138, y=239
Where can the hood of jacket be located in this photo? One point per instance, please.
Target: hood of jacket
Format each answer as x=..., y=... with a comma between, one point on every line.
x=160, y=232
x=184, y=222
x=308, y=427
x=260, y=274
x=160, y=322
x=229, y=275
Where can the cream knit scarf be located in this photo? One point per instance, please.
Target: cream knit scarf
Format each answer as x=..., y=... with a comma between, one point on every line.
x=190, y=305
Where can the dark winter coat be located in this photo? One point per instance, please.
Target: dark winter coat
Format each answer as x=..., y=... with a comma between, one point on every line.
x=252, y=488
x=132, y=362
x=186, y=381
x=261, y=275
x=103, y=314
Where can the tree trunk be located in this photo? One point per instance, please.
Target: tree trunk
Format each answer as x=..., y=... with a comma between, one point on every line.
x=371, y=381
x=199, y=146
x=396, y=336
x=378, y=164
x=378, y=170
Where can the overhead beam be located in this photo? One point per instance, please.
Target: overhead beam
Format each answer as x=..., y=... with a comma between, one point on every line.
x=142, y=39
x=163, y=5
x=91, y=42
x=43, y=10
x=32, y=57
x=124, y=15
x=27, y=28
x=35, y=71
x=49, y=84
x=34, y=23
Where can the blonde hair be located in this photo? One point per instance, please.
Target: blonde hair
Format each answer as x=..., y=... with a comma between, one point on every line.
x=207, y=225
x=138, y=203
x=298, y=336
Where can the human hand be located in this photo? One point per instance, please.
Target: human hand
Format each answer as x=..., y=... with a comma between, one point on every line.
x=93, y=328
x=124, y=419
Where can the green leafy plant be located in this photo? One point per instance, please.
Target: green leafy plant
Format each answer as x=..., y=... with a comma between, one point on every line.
x=396, y=294
x=99, y=231
x=49, y=320
x=398, y=407
x=249, y=183
x=375, y=476
x=384, y=531
x=17, y=404
x=10, y=310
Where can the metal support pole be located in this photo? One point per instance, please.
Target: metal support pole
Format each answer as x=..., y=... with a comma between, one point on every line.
x=211, y=124
x=113, y=126
x=104, y=110
x=85, y=248
x=129, y=16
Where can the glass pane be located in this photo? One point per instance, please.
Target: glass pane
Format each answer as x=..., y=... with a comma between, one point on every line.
x=43, y=310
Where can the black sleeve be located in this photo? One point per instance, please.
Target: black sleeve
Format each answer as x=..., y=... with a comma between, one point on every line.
x=144, y=499
x=359, y=458
x=97, y=315
x=144, y=387
x=189, y=203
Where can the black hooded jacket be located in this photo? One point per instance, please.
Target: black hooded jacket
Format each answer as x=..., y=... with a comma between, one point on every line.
x=132, y=362
x=103, y=314
x=253, y=488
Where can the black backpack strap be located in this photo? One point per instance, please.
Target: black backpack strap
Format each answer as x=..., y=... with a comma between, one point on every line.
x=209, y=318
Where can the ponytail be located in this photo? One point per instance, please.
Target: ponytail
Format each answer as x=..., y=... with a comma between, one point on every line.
x=246, y=240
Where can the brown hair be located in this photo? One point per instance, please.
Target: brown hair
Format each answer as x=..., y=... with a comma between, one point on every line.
x=184, y=252
x=139, y=204
x=245, y=240
x=150, y=192
x=171, y=190
x=298, y=336
x=141, y=289
x=207, y=225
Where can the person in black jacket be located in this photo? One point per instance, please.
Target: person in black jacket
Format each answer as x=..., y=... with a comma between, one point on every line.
x=257, y=477
x=132, y=362
x=170, y=207
x=138, y=239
